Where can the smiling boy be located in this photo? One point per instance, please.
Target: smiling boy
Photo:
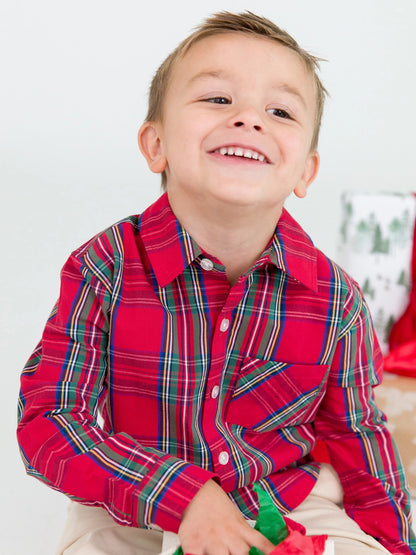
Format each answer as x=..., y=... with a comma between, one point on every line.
x=235, y=141
x=216, y=341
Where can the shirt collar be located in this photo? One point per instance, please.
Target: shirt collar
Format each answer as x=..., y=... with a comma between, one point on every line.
x=168, y=245
x=171, y=249
x=292, y=250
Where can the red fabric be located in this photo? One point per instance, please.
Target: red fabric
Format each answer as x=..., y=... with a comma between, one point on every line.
x=297, y=543
x=402, y=340
x=402, y=360
x=320, y=452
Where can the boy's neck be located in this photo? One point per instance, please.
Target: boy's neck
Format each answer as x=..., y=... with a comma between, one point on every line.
x=236, y=236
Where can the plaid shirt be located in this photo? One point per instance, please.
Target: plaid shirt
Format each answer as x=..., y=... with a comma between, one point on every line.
x=195, y=380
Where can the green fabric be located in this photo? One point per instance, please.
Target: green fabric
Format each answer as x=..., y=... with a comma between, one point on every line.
x=269, y=522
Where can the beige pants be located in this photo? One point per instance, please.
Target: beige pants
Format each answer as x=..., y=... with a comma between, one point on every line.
x=91, y=531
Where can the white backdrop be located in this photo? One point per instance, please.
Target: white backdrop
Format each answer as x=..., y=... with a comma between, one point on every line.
x=74, y=78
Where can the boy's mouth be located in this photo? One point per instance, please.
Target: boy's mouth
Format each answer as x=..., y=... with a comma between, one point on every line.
x=242, y=153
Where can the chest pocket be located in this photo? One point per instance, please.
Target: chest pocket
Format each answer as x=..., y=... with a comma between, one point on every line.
x=270, y=394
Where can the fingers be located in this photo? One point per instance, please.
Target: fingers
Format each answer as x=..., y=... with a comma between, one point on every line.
x=261, y=543
x=212, y=525
x=256, y=539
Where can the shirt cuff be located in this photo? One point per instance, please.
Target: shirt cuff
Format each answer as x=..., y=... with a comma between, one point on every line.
x=168, y=491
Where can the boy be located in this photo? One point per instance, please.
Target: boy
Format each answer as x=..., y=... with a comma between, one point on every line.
x=216, y=341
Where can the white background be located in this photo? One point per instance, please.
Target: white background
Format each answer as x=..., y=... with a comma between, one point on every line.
x=74, y=78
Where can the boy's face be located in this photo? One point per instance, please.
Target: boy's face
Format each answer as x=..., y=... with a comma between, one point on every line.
x=238, y=124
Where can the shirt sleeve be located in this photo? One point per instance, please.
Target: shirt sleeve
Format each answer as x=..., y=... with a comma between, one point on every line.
x=62, y=386
x=361, y=448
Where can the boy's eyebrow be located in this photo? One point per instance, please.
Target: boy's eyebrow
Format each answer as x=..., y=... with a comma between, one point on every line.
x=218, y=74
x=285, y=87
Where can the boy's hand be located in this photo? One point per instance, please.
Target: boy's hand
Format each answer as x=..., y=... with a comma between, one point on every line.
x=212, y=525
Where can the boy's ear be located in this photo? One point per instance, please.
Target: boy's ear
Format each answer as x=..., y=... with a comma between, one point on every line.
x=150, y=146
x=309, y=174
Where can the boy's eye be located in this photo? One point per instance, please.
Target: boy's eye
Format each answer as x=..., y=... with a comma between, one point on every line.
x=218, y=100
x=278, y=112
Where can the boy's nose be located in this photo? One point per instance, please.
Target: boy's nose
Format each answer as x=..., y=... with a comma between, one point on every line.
x=248, y=118
x=256, y=126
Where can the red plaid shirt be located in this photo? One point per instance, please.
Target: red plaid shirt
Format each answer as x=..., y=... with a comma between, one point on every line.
x=195, y=379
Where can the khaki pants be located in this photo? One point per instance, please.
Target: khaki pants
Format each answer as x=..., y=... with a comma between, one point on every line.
x=91, y=531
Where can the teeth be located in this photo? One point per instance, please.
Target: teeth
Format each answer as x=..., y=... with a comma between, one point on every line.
x=242, y=152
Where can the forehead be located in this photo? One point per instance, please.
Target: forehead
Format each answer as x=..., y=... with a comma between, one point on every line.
x=242, y=55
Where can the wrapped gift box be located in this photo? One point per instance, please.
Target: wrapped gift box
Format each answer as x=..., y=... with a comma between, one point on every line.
x=375, y=248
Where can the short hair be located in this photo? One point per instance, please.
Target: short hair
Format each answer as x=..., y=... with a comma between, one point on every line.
x=226, y=22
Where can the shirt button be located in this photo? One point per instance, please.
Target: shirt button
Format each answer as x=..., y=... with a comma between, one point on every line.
x=224, y=324
x=215, y=391
x=223, y=458
x=207, y=264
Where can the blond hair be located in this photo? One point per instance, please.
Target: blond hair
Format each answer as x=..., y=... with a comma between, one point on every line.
x=226, y=22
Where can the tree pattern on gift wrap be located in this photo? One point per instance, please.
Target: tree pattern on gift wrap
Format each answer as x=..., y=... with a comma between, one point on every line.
x=401, y=229
x=346, y=218
x=380, y=244
x=362, y=238
x=387, y=329
x=382, y=324
x=369, y=235
x=367, y=289
x=379, y=321
x=404, y=279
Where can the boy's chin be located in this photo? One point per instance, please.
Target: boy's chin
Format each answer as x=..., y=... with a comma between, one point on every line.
x=244, y=195
x=230, y=193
